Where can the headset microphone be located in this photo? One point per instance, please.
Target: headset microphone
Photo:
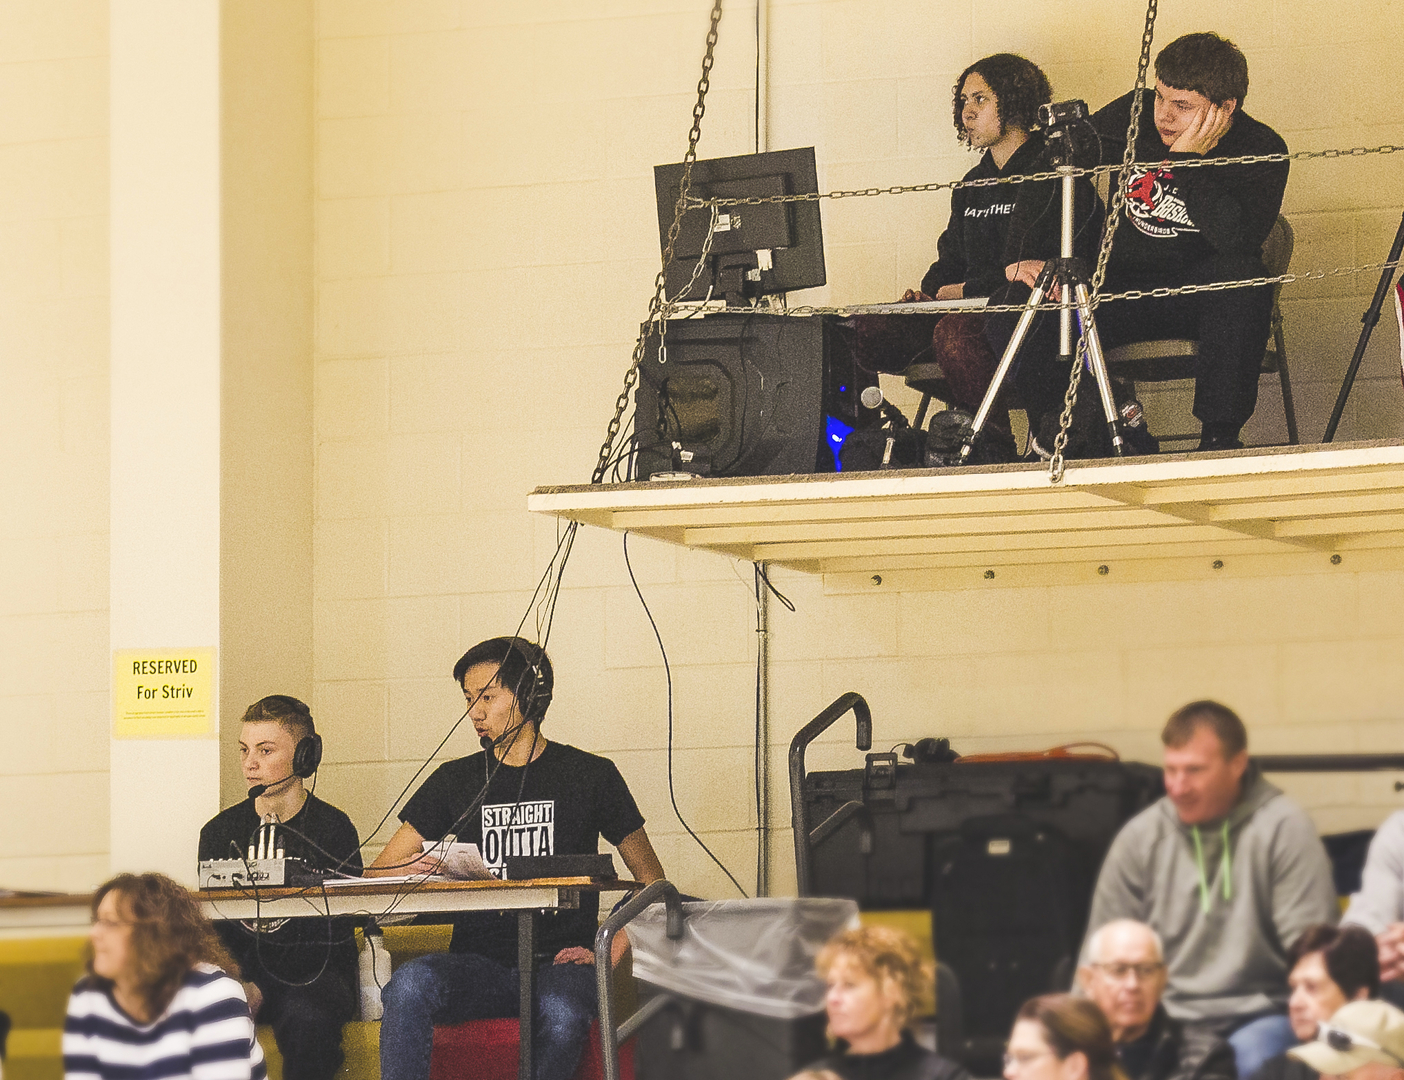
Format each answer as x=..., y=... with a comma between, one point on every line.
x=487, y=742
x=259, y=789
x=307, y=756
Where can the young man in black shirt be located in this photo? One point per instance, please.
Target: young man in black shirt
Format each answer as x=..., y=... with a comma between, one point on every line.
x=521, y=795
x=300, y=976
x=1180, y=226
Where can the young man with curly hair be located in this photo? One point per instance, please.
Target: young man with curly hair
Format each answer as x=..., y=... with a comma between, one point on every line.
x=995, y=104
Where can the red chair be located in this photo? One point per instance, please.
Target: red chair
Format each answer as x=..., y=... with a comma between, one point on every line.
x=487, y=1050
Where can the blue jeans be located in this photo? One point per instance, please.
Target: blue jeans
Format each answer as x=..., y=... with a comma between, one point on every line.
x=1258, y=1039
x=449, y=988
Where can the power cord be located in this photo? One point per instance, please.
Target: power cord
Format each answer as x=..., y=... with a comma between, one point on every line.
x=668, y=674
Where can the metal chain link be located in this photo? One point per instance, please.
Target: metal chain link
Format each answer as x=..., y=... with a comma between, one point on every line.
x=1057, y=464
x=697, y=202
x=657, y=305
x=849, y=311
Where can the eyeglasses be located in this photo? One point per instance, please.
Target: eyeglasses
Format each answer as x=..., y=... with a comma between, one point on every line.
x=1343, y=1042
x=1020, y=1061
x=1143, y=972
x=112, y=924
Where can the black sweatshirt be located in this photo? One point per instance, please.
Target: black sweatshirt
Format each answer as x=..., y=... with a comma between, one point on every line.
x=905, y=1061
x=296, y=949
x=971, y=250
x=1175, y=218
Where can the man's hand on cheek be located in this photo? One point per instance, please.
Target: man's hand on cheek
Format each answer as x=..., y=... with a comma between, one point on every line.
x=1205, y=130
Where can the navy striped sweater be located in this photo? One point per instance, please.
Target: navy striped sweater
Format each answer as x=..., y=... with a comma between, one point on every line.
x=204, y=1034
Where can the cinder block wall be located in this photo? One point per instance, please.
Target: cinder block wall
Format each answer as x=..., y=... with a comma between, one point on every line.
x=486, y=247
x=53, y=443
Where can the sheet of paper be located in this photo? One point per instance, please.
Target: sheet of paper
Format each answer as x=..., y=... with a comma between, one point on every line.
x=399, y=879
x=462, y=862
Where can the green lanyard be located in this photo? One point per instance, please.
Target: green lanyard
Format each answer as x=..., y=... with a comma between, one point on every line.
x=1225, y=868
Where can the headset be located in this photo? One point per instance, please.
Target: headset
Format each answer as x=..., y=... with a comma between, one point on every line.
x=522, y=667
x=307, y=754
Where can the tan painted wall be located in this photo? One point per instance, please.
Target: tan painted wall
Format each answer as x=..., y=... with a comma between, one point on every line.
x=266, y=402
x=485, y=249
x=53, y=443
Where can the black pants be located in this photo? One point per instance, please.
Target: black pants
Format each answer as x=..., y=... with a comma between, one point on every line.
x=307, y=1021
x=1231, y=327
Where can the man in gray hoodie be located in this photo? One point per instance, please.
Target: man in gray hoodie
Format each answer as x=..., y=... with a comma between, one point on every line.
x=1228, y=871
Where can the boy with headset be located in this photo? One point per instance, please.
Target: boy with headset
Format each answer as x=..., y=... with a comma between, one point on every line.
x=300, y=977
x=521, y=795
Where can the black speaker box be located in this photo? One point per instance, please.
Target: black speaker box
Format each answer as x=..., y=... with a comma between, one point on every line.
x=747, y=394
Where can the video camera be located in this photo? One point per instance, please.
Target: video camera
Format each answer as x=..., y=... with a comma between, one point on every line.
x=1059, y=120
x=1059, y=113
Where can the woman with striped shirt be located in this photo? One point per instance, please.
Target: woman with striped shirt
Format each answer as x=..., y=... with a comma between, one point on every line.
x=162, y=998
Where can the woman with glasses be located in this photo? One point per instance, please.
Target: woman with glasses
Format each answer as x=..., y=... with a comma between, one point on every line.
x=875, y=978
x=1331, y=965
x=161, y=998
x=1061, y=1037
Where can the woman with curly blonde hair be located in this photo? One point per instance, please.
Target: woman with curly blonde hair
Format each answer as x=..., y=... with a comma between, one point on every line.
x=876, y=977
x=162, y=997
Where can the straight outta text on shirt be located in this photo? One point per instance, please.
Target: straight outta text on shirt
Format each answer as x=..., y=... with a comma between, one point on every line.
x=525, y=828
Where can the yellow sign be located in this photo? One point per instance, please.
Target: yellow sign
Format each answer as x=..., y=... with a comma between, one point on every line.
x=163, y=694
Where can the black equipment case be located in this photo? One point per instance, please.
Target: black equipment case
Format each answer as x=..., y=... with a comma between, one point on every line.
x=1003, y=850
x=1004, y=854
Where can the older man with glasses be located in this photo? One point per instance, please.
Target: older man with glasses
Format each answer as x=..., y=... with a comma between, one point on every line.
x=1125, y=976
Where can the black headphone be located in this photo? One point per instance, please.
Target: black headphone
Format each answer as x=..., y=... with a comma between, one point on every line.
x=307, y=755
x=535, y=698
x=532, y=685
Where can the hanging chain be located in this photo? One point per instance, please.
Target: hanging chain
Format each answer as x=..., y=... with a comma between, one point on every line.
x=1057, y=464
x=657, y=305
x=697, y=202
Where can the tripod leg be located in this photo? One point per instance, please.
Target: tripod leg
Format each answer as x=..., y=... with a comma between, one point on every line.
x=1011, y=351
x=1099, y=367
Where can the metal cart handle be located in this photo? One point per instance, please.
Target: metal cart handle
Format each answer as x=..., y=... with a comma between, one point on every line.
x=610, y=1036
x=804, y=870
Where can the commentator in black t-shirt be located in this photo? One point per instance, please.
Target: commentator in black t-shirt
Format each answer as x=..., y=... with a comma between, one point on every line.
x=526, y=796
x=300, y=974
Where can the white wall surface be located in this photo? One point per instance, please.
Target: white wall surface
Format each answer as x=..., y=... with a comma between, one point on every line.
x=486, y=244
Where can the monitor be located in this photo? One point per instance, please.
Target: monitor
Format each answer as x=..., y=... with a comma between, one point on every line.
x=756, y=250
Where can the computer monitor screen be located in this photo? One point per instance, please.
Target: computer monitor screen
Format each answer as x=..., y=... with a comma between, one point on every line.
x=756, y=250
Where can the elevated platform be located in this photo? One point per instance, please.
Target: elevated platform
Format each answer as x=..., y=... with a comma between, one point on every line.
x=1283, y=510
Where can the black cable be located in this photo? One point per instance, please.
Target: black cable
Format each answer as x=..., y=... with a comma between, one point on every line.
x=668, y=674
x=759, y=738
x=785, y=600
x=565, y=542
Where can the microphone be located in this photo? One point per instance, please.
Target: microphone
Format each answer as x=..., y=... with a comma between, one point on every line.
x=260, y=789
x=487, y=742
x=872, y=398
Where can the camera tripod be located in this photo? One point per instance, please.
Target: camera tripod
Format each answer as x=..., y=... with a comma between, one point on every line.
x=1067, y=275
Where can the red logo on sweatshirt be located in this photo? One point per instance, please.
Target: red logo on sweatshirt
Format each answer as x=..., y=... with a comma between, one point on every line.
x=1153, y=203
